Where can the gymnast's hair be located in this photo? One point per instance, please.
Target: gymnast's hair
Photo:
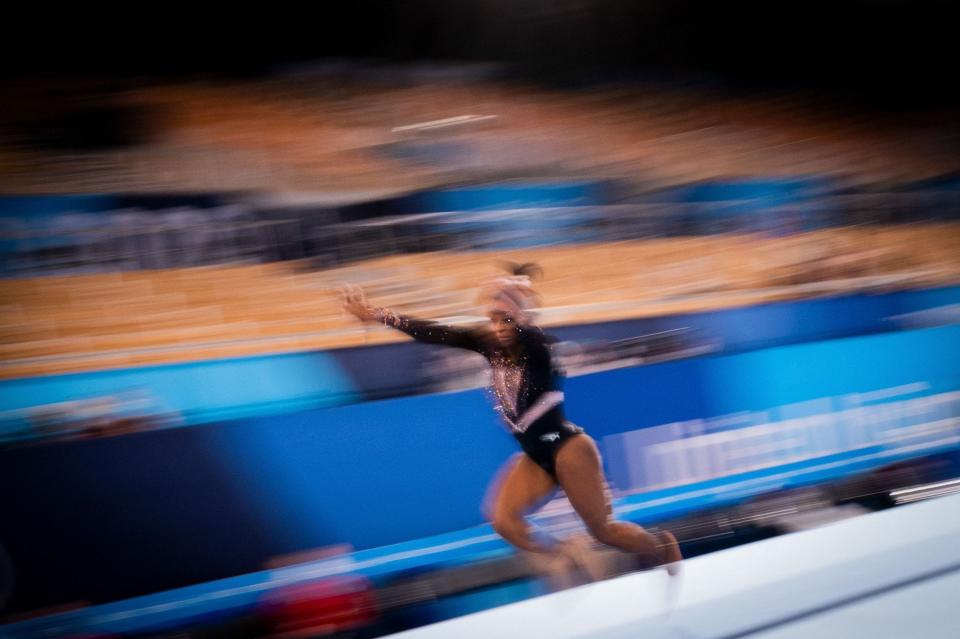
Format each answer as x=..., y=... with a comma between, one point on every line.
x=527, y=269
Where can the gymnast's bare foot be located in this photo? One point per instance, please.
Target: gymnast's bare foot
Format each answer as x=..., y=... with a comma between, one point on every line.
x=670, y=555
x=580, y=551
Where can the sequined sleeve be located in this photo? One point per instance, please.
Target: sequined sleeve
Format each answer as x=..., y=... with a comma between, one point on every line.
x=430, y=332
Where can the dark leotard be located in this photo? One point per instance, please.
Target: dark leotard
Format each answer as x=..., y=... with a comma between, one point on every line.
x=525, y=387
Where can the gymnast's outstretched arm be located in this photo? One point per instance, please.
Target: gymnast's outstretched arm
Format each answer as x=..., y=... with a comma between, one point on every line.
x=426, y=331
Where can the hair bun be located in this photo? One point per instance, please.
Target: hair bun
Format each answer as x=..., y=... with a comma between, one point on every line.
x=531, y=270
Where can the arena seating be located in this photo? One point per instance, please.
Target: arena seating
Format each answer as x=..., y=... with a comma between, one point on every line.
x=84, y=322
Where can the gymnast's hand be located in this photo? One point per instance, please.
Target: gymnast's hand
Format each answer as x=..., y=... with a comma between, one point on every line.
x=355, y=302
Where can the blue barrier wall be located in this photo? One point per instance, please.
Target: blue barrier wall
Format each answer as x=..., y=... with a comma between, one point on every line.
x=866, y=397
x=193, y=392
x=153, y=510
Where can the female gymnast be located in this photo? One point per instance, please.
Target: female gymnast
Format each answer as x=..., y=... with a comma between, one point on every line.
x=526, y=394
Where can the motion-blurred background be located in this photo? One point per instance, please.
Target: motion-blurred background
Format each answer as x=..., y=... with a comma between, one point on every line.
x=747, y=215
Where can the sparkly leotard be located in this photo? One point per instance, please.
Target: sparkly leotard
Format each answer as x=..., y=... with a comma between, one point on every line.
x=525, y=385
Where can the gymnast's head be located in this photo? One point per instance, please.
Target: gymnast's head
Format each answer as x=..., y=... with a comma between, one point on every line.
x=509, y=301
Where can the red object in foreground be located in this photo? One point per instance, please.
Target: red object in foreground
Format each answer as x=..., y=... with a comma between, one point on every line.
x=329, y=605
